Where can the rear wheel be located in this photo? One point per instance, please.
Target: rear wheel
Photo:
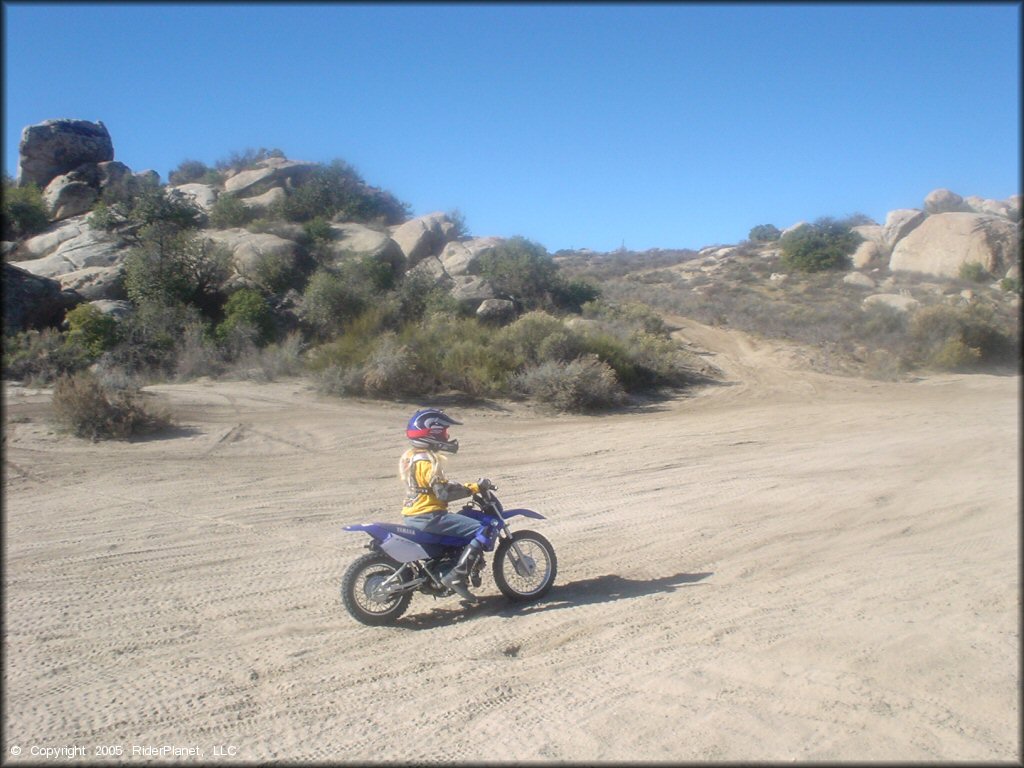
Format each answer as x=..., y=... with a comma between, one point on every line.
x=526, y=574
x=368, y=594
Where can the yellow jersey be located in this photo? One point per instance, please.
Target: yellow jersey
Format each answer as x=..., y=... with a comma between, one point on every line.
x=427, y=488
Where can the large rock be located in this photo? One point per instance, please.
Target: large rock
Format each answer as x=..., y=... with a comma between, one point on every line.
x=1013, y=207
x=70, y=194
x=897, y=301
x=116, y=179
x=462, y=256
x=96, y=283
x=202, y=195
x=900, y=223
x=499, y=311
x=944, y=201
x=471, y=290
x=350, y=240
x=272, y=172
x=859, y=280
x=89, y=248
x=118, y=310
x=55, y=147
x=32, y=301
x=987, y=206
x=944, y=242
x=89, y=262
x=249, y=248
x=261, y=203
x=424, y=236
x=47, y=242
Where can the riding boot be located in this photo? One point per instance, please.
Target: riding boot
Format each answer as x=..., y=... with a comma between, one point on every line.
x=456, y=578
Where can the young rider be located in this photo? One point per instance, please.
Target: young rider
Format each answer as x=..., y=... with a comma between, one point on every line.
x=428, y=491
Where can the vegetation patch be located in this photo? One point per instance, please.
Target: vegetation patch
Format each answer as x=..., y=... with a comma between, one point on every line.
x=83, y=407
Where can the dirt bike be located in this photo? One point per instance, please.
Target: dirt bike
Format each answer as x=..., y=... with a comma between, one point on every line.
x=377, y=588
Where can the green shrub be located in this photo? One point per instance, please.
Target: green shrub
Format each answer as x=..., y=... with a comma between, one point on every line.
x=526, y=341
x=764, y=233
x=229, y=211
x=958, y=338
x=246, y=159
x=178, y=267
x=40, y=357
x=330, y=301
x=84, y=408
x=91, y=329
x=826, y=244
x=458, y=220
x=24, y=211
x=1010, y=285
x=351, y=348
x=584, y=384
x=273, y=273
x=337, y=190
x=630, y=314
x=247, y=307
x=974, y=272
x=318, y=229
x=151, y=338
x=572, y=295
x=189, y=171
x=520, y=269
x=953, y=354
x=149, y=212
x=419, y=294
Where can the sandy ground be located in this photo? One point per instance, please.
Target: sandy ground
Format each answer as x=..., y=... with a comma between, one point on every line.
x=785, y=567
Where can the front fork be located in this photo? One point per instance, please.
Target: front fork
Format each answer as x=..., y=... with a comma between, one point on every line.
x=523, y=563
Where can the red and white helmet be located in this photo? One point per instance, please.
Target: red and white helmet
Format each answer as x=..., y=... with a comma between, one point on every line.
x=428, y=428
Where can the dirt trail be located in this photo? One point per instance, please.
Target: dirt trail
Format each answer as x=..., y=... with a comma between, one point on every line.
x=787, y=566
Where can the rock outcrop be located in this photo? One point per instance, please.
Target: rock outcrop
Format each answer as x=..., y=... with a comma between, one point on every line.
x=944, y=201
x=56, y=147
x=269, y=173
x=79, y=258
x=424, y=236
x=351, y=240
x=944, y=242
x=899, y=224
x=31, y=301
x=248, y=249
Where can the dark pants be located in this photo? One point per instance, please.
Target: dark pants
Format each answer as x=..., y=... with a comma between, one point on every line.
x=444, y=524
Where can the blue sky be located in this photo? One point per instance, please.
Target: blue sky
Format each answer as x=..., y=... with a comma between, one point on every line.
x=575, y=125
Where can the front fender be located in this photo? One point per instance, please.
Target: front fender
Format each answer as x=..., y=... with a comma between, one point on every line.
x=524, y=513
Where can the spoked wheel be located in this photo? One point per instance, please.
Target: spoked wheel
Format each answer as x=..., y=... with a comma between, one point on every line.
x=367, y=592
x=525, y=566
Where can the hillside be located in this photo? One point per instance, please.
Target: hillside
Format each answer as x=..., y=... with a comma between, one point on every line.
x=264, y=265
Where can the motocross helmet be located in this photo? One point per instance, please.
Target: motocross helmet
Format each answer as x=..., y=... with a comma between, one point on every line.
x=428, y=428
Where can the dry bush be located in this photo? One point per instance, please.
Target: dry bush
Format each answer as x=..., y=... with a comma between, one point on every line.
x=585, y=384
x=390, y=370
x=84, y=408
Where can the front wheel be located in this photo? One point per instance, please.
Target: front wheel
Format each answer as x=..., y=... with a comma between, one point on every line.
x=368, y=590
x=525, y=571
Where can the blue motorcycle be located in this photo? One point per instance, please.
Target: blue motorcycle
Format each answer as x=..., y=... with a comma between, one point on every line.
x=377, y=588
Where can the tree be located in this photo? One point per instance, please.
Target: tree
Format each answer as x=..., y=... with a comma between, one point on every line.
x=176, y=268
x=765, y=233
x=337, y=190
x=247, y=307
x=521, y=269
x=24, y=211
x=825, y=244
